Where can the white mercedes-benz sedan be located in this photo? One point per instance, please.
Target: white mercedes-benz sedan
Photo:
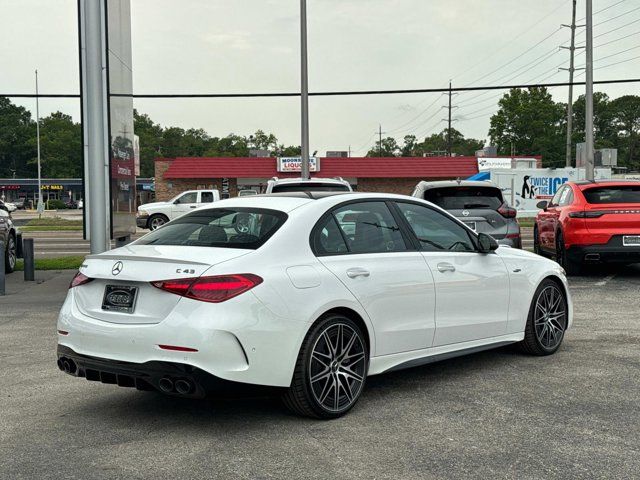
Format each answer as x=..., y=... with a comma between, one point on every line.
x=311, y=292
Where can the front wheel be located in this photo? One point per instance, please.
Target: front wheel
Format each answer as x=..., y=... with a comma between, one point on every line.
x=156, y=221
x=331, y=369
x=547, y=320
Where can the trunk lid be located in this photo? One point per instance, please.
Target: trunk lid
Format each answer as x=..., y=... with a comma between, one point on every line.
x=130, y=269
x=613, y=218
x=483, y=220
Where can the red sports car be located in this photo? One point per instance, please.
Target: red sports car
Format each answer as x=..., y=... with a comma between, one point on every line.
x=590, y=222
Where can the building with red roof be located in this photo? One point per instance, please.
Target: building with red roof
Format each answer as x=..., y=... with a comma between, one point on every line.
x=368, y=174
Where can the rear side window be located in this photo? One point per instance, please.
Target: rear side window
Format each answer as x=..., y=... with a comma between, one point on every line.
x=365, y=227
x=465, y=198
x=619, y=194
x=309, y=187
x=228, y=228
x=206, y=197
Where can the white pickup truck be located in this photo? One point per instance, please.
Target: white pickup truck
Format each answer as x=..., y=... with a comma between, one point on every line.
x=154, y=215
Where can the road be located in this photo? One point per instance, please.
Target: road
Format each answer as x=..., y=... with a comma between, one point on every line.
x=496, y=414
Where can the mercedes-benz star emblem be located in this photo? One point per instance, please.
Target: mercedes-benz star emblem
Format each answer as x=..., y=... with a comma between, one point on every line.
x=465, y=213
x=117, y=268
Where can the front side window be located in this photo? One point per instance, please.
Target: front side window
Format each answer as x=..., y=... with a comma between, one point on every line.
x=191, y=197
x=229, y=228
x=368, y=227
x=435, y=231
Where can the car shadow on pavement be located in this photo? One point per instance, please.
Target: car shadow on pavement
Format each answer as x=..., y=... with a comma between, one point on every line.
x=260, y=404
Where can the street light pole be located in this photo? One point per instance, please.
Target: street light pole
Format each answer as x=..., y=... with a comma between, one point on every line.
x=589, y=160
x=304, y=92
x=40, y=206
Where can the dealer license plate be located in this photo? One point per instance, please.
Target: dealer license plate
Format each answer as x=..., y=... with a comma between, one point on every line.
x=631, y=240
x=119, y=298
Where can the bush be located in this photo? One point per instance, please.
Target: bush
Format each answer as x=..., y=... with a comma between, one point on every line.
x=55, y=205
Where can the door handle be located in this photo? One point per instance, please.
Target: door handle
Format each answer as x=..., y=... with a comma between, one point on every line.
x=357, y=272
x=192, y=206
x=446, y=267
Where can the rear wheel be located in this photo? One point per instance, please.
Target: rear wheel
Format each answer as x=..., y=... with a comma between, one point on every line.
x=331, y=369
x=547, y=320
x=157, y=220
x=10, y=254
x=570, y=266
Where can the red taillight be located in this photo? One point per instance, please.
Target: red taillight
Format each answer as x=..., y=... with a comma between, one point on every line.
x=507, y=211
x=211, y=289
x=79, y=279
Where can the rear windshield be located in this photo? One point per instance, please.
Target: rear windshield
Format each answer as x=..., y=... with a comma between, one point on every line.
x=467, y=198
x=309, y=187
x=219, y=227
x=619, y=194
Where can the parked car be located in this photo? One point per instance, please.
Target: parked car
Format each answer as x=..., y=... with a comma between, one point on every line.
x=480, y=205
x=154, y=215
x=590, y=222
x=276, y=290
x=71, y=204
x=20, y=203
x=8, y=235
x=247, y=193
x=284, y=185
x=8, y=206
x=80, y=204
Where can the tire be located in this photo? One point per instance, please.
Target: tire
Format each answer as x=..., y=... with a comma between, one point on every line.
x=330, y=374
x=570, y=266
x=156, y=221
x=10, y=254
x=547, y=320
x=536, y=242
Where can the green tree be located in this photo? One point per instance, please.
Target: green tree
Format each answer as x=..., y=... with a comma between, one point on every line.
x=625, y=112
x=151, y=137
x=605, y=131
x=388, y=148
x=60, y=147
x=437, y=144
x=17, y=129
x=532, y=122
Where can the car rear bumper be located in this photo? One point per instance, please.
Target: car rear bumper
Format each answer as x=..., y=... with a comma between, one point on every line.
x=171, y=378
x=611, y=252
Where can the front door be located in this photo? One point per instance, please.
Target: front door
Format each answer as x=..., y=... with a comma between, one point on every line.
x=472, y=288
x=184, y=204
x=362, y=245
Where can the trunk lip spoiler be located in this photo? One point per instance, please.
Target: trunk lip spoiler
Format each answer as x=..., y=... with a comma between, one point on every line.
x=102, y=256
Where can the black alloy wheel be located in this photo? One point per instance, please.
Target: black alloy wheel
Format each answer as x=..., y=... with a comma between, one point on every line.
x=331, y=369
x=547, y=320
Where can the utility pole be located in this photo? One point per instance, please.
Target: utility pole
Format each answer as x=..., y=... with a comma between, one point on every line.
x=380, y=132
x=304, y=92
x=589, y=167
x=40, y=206
x=449, y=107
x=571, y=69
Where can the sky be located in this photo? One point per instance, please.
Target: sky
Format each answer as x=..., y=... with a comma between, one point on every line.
x=243, y=46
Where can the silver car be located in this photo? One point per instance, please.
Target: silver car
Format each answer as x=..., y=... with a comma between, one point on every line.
x=8, y=237
x=480, y=205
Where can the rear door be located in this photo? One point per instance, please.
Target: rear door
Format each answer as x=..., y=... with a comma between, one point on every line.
x=472, y=288
x=363, y=246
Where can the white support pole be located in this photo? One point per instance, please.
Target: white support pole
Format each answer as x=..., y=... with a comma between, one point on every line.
x=589, y=160
x=304, y=92
x=40, y=204
x=94, y=72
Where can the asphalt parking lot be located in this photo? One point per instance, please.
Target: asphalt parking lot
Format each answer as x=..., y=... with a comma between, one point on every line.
x=497, y=414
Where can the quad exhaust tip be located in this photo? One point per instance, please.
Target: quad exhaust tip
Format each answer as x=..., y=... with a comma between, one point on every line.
x=181, y=386
x=67, y=365
x=166, y=385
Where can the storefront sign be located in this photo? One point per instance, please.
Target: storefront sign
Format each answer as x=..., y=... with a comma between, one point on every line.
x=52, y=187
x=294, y=164
x=487, y=163
x=9, y=187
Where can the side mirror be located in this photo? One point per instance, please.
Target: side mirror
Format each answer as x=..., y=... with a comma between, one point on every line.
x=542, y=205
x=486, y=243
x=6, y=209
